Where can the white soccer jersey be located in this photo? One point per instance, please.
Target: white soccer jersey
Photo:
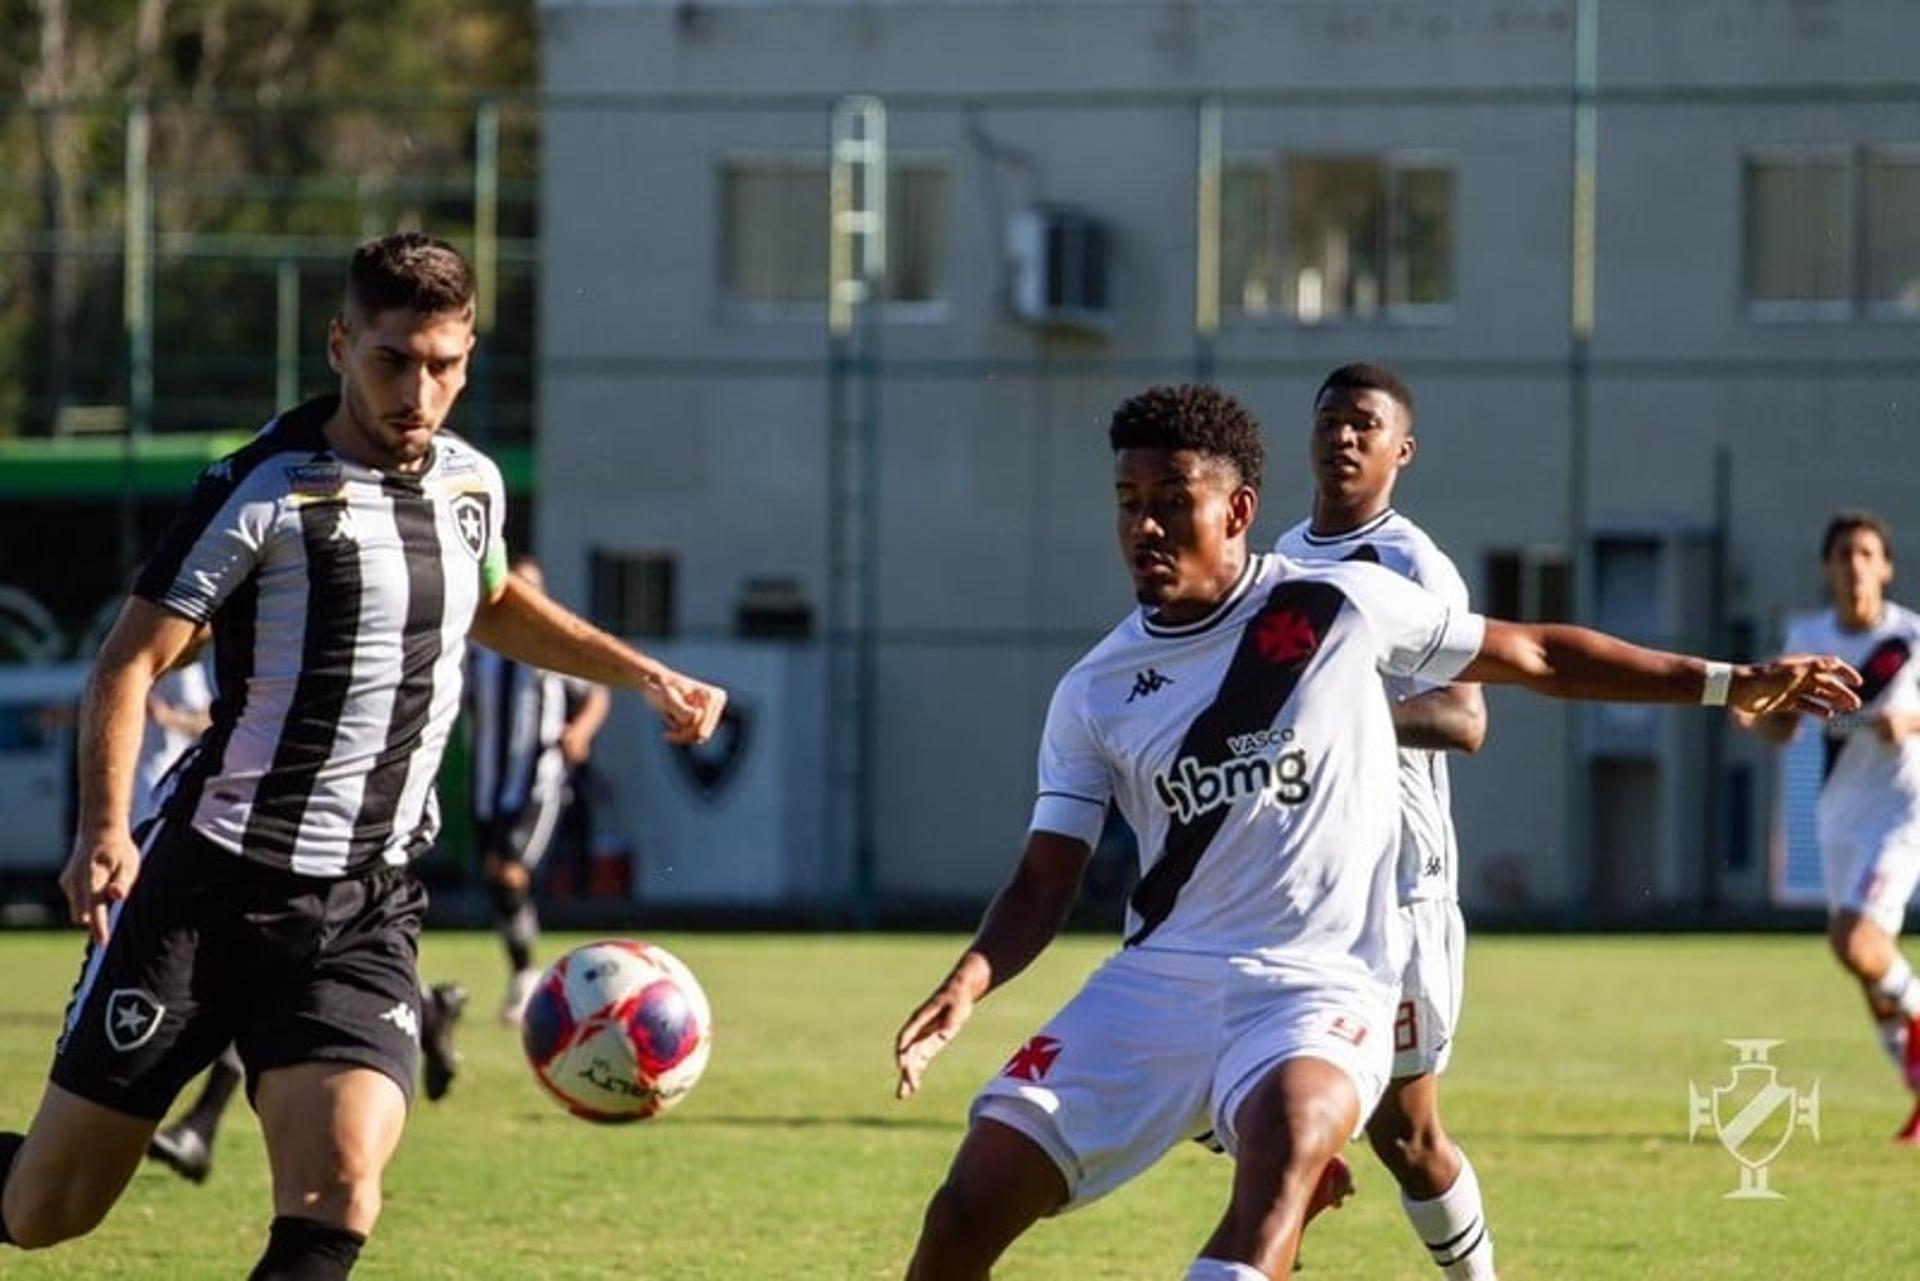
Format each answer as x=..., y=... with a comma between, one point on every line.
x=1429, y=851
x=340, y=599
x=1870, y=790
x=1253, y=753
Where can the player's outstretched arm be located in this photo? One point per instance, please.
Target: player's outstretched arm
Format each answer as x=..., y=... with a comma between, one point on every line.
x=145, y=641
x=525, y=624
x=1022, y=919
x=1452, y=718
x=1579, y=663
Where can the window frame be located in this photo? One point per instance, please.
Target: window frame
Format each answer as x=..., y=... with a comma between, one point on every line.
x=733, y=307
x=1857, y=307
x=1393, y=163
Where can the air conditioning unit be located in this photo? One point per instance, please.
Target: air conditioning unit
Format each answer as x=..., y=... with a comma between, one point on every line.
x=1059, y=259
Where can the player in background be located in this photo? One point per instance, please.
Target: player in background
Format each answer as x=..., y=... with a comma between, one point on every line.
x=531, y=730
x=341, y=559
x=1868, y=815
x=1238, y=720
x=1361, y=439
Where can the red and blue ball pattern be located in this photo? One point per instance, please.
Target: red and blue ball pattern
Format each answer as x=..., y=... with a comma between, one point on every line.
x=617, y=1031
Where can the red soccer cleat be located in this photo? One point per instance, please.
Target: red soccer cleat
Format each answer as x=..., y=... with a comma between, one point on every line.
x=1335, y=1186
x=1908, y=1135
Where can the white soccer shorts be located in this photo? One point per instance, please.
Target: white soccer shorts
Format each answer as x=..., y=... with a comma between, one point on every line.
x=1428, y=1013
x=1159, y=1047
x=1873, y=874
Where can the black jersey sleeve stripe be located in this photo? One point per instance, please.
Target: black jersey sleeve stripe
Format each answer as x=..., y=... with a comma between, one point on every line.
x=320, y=693
x=1886, y=661
x=413, y=515
x=1256, y=686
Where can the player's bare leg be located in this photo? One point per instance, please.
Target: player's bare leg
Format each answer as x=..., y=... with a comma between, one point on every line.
x=330, y=1129
x=71, y=1167
x=1873, y=956
x=1438, y=1187
x=1288, y=1130
x=1000, y=1184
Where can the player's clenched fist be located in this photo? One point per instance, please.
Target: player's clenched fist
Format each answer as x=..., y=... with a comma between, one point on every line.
x=691, y=708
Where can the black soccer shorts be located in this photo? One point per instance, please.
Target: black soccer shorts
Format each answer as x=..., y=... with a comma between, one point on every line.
x=524, y=835
x=212, y=948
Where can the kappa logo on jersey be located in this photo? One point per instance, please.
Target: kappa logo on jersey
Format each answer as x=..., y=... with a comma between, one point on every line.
x=1191, y=789
x=1147, y=683
x=470, y=518
x=1032, y=1061
x=1285, y=636
x=403, y=1017
x=133, y=1016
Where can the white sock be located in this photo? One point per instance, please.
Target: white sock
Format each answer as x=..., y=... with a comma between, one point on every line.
x=1222, y=1270
x=1899, y=986
x=1453, y=1227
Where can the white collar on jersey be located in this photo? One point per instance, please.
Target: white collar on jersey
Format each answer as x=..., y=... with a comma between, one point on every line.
x=1345, y=535
x=1166, y=630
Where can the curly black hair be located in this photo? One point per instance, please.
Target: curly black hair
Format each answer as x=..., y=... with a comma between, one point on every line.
x=1192, y=416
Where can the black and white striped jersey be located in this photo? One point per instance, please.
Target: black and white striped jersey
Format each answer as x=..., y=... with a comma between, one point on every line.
x=1253, y=753
x=340, y=599
x=518, y=714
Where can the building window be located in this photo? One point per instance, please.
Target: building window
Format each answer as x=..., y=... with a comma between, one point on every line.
x=774, y=231
x=1833, y=232
x=631, y=593
x=1336, y=237
x=1527, y=585
x=1893, y=231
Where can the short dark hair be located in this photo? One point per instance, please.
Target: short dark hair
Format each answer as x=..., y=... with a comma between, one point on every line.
x=1844, y=522
x=1365, y=377
x=1192, y=416
x=412, y=271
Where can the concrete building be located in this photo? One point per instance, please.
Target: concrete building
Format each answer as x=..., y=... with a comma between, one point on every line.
x=1651, y=268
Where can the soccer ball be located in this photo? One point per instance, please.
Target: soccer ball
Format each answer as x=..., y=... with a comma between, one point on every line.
x=617, y=1030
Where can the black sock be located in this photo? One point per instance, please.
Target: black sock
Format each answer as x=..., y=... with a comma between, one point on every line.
x=307, y=1250
x=514, y=921
x=10, y=1144
x=222, y=1081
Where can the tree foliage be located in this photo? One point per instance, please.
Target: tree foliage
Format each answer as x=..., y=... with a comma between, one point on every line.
x=310, y=119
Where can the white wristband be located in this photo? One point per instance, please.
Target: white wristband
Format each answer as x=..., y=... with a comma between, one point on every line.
x=1713, y=693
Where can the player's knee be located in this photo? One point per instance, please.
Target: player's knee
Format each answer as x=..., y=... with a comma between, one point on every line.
x=1297, y=1137
x=40, y=1216
x=954, y=1216
x=1855, y=942
x=343, y=1192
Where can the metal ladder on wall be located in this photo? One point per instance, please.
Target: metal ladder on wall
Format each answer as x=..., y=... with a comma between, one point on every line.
x=857, y=259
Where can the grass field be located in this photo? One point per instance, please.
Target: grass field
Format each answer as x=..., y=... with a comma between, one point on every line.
x=792, y=1159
